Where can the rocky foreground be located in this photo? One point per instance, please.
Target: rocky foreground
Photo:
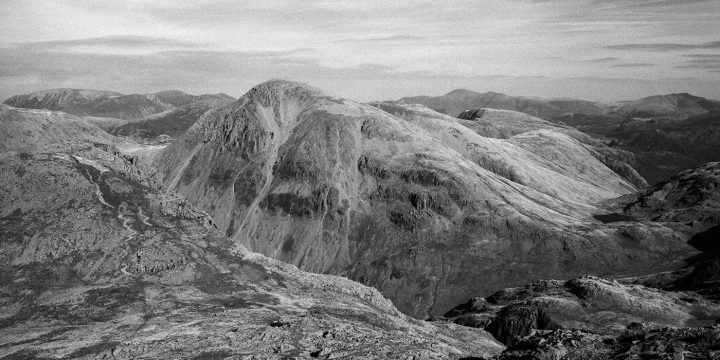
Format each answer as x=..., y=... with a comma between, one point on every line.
x=95, y=265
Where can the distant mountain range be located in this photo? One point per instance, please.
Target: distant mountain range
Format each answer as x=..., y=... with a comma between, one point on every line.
x=457, y=101
x=143, y=117
x=668, y=105
x=110, y=104
x=667, y=133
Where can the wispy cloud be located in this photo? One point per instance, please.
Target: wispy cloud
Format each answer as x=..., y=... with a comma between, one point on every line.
x=632, y=65
x=112, y=41
x=357, y=48
x=601, y=60
x=701, y=61
x=386, y=39
x=662, y=47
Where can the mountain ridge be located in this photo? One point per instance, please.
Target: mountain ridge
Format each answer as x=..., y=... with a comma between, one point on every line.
x=83, y=102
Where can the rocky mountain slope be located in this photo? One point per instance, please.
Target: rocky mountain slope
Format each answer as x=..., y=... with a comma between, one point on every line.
x=109, y=104
x=665, y=147
x=666, y=133
x=654, y=316
x=96, y=265
x=505, y=124
x=171, y=123
x=29, y=130
x=427, y=210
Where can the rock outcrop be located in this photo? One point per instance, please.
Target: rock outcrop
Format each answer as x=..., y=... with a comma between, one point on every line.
x=589, y=304
x=423, y=208
x=638, y=342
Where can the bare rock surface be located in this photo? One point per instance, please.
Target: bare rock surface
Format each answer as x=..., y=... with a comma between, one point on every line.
x=638, y=342
x=589, y=304
x=423, y=208
x=96, y=265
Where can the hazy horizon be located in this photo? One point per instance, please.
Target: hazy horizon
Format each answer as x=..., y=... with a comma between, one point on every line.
x=372, y=50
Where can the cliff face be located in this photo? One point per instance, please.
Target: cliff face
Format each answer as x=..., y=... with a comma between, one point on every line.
x=426, y=209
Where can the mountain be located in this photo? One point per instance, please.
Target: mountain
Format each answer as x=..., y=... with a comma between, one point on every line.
x=90, y=103
x=56, y=99
x=174, y=98
x=95, y=265
x=108, y=104
x=668, y=105
x=424, y=208
x=457, y=101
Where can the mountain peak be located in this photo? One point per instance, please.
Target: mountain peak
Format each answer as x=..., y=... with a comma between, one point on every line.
x=461, y=92
x=275, y=90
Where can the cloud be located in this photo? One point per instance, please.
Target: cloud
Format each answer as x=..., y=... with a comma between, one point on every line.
x=111, y=41
x=600, y=60
x=651, y=4
x=631, y=65
x=662, y=47
x=386, y=39
x=701, y=61
x=352, y=48
x=702, y=56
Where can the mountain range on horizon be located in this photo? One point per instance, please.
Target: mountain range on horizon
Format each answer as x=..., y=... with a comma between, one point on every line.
x=664, y=134
x=453, y=103
x=178, y=224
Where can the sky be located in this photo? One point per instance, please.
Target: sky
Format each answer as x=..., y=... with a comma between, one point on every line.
x=602, y=50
